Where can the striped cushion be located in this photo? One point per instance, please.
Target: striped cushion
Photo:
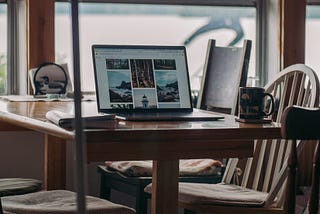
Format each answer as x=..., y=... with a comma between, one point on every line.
x=190, y=167
x=218, y=194
x=18, y=186
x=58, y=202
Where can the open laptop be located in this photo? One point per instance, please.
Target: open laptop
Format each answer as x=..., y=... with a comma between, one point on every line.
x=144, y=83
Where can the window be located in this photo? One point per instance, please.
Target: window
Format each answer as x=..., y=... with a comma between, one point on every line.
x=3, y=48
x=312, y=37
x=192, y=26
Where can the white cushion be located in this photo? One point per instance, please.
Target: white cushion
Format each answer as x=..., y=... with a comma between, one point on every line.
x=192, y=167
x=58, y=201
x=218, y=194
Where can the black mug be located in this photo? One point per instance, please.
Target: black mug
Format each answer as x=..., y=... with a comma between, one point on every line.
x=252, y=103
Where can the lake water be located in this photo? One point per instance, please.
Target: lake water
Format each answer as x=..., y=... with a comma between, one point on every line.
x=156, y=29
x=135, y=29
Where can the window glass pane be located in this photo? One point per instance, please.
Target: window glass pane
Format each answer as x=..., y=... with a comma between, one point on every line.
x=312, y=37
x=3, y=48
x=191, y=26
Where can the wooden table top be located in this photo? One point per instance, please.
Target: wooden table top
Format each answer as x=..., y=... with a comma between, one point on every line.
x=31, y=115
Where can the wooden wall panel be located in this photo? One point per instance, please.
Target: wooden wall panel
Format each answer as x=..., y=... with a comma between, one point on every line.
x=40, y=32
x=292, y=15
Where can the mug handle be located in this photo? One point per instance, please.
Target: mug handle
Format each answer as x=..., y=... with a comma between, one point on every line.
x=272, y=104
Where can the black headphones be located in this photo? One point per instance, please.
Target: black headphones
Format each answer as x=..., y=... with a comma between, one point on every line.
x=39, y=84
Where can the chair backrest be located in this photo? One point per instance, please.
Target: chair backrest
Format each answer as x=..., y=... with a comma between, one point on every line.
x=267, y=170
x=300, y=123
x=225, y=70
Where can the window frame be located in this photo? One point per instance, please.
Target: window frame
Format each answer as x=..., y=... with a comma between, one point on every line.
x=5, y=2
x=12, y=49
x=16, y=48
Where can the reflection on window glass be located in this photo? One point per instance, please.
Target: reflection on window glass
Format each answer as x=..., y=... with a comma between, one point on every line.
x=312, y=37
x=3, y=48
x=191, y=26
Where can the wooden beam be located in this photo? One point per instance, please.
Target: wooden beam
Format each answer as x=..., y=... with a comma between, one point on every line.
x=40, y=32
x=292, y=18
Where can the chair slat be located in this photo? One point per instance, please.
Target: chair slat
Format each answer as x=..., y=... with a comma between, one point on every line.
x=306, y=99
x=293, y=88
x=273, y=90
x=230, y=168
x=246, y=173
x=259, y=165
x=269, y=167
x=277, y=188
x=301, y=91
x=282, y=98
x=281, y=150
x=252, y=165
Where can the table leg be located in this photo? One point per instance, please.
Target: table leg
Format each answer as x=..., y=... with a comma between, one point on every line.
x=54, y=163
x=165, y=187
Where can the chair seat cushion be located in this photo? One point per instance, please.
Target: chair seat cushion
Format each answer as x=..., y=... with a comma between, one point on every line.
x=188, y=167
x=18, y=186
x=218, y=194
x=58, y=201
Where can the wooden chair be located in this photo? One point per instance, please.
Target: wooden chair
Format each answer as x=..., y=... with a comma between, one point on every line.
x=303, y=124
x=221, y=64
x=256, y=185
x=225, y=70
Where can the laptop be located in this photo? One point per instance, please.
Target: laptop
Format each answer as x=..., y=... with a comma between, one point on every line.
x=142, y=83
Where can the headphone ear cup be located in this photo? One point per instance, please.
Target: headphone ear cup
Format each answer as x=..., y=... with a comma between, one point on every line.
x=38, y=91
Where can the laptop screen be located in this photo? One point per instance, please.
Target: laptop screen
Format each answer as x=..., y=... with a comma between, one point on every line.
x=141, y=78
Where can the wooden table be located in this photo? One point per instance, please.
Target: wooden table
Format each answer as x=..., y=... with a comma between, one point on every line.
x=163, y=142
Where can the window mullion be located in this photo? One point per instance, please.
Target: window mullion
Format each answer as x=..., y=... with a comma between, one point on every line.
x=261, y=44
x=16, y=61
x=12, y=49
